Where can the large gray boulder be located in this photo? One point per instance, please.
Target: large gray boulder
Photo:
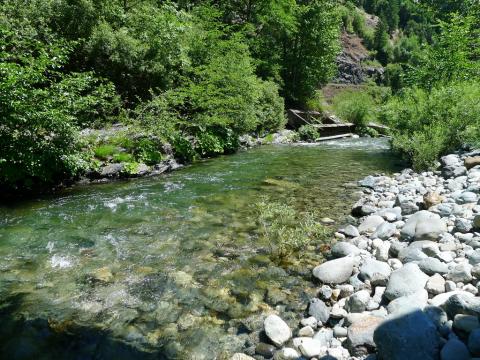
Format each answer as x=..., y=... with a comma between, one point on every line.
x=335, y=271
x=277, y=330
x=405, y=281
x=377, y=272
x=423, y=225
x=411, y=336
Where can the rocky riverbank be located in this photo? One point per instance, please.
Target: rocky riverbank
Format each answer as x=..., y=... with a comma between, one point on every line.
x=402, y=279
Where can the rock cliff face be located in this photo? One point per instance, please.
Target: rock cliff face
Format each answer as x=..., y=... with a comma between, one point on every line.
x=351, y=70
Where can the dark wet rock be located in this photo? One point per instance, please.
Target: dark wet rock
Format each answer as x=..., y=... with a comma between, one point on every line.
x=411, y=336
x=265, y=350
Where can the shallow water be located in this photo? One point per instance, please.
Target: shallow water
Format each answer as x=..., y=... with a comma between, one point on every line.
x=167, y=267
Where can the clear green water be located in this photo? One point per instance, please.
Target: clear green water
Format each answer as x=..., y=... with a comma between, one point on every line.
x=166, y=267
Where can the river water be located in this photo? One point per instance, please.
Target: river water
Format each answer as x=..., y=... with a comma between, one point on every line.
x=169, y=267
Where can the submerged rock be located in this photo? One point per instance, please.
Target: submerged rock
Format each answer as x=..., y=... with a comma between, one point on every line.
x=277, y=330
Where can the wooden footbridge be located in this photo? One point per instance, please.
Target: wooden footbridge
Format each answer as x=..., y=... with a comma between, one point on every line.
x=329, y=126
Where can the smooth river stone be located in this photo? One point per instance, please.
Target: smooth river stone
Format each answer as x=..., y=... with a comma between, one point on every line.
x=407, y=280
x=335, y=271
x=423, y=225
x=277, y=330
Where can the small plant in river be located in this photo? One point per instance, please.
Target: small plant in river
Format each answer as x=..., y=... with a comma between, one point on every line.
x=288, y=231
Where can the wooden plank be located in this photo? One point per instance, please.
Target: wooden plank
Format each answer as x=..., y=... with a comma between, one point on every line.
x=325, y=138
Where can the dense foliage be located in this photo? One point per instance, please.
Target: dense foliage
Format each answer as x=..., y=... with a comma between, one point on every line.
x=195, y=74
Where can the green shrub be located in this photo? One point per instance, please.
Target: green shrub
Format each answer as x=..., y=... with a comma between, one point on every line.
x=427, y=124
x=183, y=148
x=208, y=144
x=270, y=108
x=123, y=157
x=105, y=151
x=357, y=107
x=308, y=133
x=148, y=151
x=316, y=102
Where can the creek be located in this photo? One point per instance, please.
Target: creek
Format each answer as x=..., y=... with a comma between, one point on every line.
x=168, y=267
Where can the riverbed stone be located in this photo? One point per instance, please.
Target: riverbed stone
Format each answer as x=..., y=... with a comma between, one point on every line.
x=286, y=354
x=406, y=204
x=310, y=347
x=325, y=336
x=408, y=303
x=405, y=281
x=360, y=335
x=319, y=310
x=431, y=266
x=465, y=323
x=265, y=350
x=474, y=342
x=411, y=336
x=306, y=331
x=335, y=271
x=471, y=161
x=370, y=224
x=454, y=349
x=350, y=231
x=384, y=231
x=357, y=302
x=377, y=272
x=423, y=225
x=466, y=197
x=435, y=284
x=460, y=273
x=240, y=356
x=277, y=330
x=462, y=303
x=342, y=249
